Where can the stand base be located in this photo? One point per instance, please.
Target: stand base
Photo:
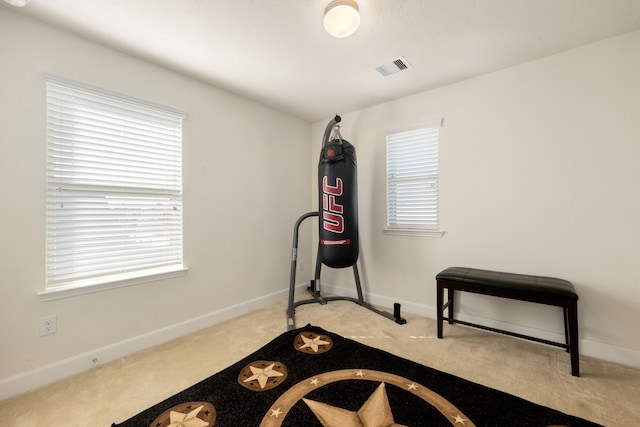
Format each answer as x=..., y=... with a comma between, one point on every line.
x=316, y=297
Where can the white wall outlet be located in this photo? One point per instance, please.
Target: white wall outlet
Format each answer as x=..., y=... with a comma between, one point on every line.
x=300, y=265
x=48, y=325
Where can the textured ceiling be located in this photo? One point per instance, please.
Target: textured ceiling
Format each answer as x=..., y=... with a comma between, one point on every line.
x=277, y=52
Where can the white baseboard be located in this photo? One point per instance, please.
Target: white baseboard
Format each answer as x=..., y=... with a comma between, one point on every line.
x=25, y=381
x=29, y=380
x=587, y=347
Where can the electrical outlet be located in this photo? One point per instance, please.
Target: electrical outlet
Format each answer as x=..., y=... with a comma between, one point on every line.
x=300, y=265
x=48, y=325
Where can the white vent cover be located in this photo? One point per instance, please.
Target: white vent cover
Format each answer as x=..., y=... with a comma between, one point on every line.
x=395, y=66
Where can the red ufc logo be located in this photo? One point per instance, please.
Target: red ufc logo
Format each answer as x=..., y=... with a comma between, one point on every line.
x=331, y=211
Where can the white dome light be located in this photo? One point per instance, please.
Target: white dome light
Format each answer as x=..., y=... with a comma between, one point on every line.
x=341, y=18
x=17, y=3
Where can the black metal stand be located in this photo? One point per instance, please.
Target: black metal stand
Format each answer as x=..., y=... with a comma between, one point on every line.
x=314, y=286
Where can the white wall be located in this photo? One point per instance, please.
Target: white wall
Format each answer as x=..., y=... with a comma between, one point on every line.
x=539, y=174
x=240, y=204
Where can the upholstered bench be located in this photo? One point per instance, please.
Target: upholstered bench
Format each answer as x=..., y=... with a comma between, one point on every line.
x=538, y=289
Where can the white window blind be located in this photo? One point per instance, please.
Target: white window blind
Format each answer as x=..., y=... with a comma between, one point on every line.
x=412, y=177
x=114, y=195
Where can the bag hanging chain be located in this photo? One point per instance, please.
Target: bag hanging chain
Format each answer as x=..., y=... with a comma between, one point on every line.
x=335, y=134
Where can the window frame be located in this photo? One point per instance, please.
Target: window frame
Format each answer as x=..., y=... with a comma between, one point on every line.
x=75, y=181
x=415, y=229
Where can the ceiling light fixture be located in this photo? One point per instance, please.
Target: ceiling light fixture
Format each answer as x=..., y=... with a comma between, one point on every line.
x=17, y=3
x=341, y=18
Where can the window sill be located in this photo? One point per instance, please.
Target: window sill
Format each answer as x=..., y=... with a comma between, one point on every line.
x=114, y=282
x=413, y=232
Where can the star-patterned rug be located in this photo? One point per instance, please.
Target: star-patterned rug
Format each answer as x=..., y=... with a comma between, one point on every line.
x=312, y=377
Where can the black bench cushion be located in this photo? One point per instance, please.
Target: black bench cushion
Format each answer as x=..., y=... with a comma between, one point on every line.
x=499, y=280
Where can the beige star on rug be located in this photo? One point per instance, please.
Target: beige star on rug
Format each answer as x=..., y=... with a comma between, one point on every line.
x=375, y=412
x=178, y=419
x=459, y=419
x=263, y=375
x=275, y=413
x=313, y=343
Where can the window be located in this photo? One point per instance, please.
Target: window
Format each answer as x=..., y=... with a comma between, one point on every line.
x=412, y=180
x=114, y=188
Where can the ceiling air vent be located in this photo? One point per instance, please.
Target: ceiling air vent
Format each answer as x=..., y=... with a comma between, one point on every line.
x=395, y=66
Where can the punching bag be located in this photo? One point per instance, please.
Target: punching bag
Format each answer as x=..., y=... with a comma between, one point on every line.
x=338, y=203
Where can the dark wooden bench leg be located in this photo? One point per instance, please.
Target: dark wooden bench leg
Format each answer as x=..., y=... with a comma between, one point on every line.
x=565, y=312
x=439, y=307
x=573, y=337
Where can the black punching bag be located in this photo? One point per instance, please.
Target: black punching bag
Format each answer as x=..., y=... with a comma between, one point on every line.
x=338, y=203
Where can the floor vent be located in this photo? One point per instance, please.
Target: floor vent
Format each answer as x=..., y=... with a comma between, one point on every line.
x=395, y=66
